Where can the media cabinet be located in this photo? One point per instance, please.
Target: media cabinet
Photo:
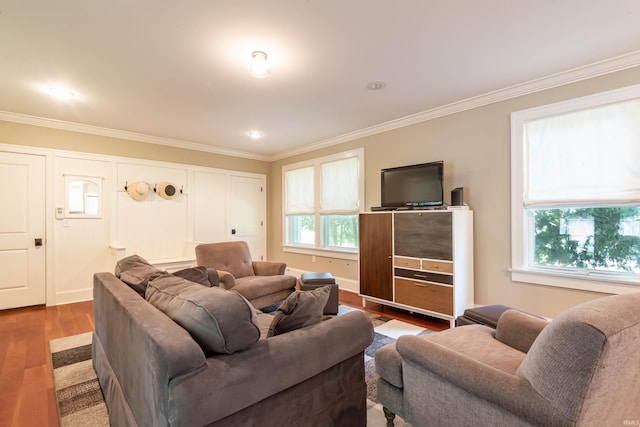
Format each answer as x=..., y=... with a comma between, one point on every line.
x=418, y=260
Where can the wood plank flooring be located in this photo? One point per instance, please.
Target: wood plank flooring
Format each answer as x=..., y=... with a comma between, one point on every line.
x=353, y=300
x=26, y=378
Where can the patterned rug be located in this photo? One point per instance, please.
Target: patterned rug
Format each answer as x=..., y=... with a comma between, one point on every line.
x=80, y=400
x=386, y=331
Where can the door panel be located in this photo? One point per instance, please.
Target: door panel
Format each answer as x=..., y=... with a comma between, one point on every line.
x=247, y=214
x=209, y=191
x=376, y=273
x=22, y=262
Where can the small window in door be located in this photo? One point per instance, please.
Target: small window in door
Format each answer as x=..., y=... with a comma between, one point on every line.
x=83, y=197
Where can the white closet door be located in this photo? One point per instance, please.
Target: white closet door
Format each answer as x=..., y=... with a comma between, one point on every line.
x=22, y=230
x=248, y=214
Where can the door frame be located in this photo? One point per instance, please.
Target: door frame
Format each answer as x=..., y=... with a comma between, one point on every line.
x=50, y=296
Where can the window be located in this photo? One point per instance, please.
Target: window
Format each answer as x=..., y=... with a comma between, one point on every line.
x=322, y=199
x=576, y=193
x=83, y=197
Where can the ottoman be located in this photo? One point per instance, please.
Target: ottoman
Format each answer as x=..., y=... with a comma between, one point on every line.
x=310, y=281
x=487, y=315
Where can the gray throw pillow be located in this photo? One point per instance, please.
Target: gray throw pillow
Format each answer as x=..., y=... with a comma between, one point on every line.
x=220, y=321
x=136, y=272
x=195, y=274
x=300, y=309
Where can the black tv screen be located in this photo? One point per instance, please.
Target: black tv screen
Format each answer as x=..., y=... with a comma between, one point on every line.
x=414, y=185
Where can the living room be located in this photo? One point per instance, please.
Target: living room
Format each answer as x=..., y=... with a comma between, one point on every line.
x=472, y=135
x=481, y=167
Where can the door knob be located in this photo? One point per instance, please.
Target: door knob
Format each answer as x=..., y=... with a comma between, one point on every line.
x=38, y=242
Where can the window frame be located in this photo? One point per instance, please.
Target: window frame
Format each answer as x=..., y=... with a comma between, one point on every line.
x=316, y=163
x=522, y=244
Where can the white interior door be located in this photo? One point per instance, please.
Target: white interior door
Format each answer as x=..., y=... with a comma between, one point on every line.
x=208, y=192
x=248, y=205
x=22, y=230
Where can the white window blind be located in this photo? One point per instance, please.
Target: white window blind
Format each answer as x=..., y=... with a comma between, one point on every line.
x=340, y=185
x=584, y=158
x=299, y=191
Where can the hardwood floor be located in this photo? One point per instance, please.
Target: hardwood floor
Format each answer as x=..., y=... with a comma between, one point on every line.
x=353, y=300
x=26, y=377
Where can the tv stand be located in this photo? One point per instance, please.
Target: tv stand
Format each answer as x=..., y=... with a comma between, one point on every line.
x=420, y=260
x=407, y=208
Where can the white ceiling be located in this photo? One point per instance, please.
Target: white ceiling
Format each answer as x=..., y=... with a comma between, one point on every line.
x=175, y=72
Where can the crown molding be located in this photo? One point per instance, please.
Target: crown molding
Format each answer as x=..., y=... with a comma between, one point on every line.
x=607, y=66
x=121, y=134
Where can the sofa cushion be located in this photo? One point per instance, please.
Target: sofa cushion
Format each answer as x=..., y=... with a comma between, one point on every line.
x=300, y=309
x=136, y=272
x=220, y=321
x=195, y=274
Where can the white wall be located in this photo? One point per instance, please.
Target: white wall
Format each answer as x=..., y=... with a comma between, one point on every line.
x=155, y=228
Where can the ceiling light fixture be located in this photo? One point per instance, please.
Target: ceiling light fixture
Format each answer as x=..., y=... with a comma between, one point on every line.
x=259, y=66
x=376, y=85
x=256, y=134
x=61, y=92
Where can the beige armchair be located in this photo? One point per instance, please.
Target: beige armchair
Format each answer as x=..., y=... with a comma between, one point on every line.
x=263, y=283
x=583, y=369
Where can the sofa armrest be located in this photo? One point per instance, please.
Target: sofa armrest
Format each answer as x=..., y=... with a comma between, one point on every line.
x=269, y=268
x=214, y=278
x=226, y=279
x=422, y=357
x=518, y=329
x=144, y=348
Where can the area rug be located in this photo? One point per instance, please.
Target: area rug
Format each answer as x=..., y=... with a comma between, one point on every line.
x=80, y=400
x=386, y=331
x=78, y=394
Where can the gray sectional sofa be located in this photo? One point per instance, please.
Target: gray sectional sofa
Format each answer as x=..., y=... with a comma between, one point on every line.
x=153, y=372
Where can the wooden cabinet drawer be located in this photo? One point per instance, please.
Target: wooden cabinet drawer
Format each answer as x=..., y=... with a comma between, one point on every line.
x=426, y=276
x=407, y=262
x=436, y=298
x=444, y=267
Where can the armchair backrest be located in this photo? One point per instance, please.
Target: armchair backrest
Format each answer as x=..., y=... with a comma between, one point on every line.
x=586, y=362
x=234, y=257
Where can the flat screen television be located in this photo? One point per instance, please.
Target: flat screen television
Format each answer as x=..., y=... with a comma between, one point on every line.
x=412, y=186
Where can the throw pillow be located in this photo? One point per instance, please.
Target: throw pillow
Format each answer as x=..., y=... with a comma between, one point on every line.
x=300, y=309
x=136, y=272
x=220, y=321
x=195, y=274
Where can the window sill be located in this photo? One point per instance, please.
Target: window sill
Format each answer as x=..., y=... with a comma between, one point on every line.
x=594, y=282
x=353, y=256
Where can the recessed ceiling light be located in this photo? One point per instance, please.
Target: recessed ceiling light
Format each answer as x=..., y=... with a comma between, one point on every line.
x=256, y=134
x=61, y=92
x=377, y=85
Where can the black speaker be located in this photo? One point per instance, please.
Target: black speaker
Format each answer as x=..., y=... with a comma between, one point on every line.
x=457, y=197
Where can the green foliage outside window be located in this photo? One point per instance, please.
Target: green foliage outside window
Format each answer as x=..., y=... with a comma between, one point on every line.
x=341, y=231
x=611, y=242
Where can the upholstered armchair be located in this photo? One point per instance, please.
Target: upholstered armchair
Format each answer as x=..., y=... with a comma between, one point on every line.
x=230, y=265
x=583, y=369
